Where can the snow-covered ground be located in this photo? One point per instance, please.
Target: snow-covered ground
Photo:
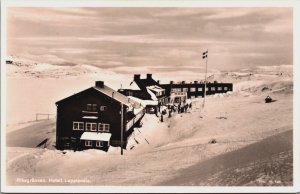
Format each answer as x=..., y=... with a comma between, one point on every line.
x=34, y=88
x=159, y=153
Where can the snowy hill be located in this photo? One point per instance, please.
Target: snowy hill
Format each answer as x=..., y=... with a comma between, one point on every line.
x=18, y=67
x=160, y=153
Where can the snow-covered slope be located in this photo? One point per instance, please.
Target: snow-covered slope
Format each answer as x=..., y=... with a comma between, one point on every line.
x=26, y=68
x=164, y=149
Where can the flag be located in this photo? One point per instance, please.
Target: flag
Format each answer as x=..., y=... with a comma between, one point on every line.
x=205, y=55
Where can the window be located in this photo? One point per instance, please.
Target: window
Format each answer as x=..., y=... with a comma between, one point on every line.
x=225, y=88
x=94, y=107
x=91, y=127
x=200, y=89
x=103, y=108
x=78, y=126
x=130, y=93
x=91, y=107
x=104, y=127
x=176, y=90
x=88, y=143
x=212, y=88
x=99, y=143
x=219, y=88
x=184, y=89
x=193, y=89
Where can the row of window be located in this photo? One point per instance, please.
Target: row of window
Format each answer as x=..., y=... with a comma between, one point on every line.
x=199, y=89
x=218, y=88
x=89, y=143
x=94, y=107
x=91, y=126
x=160, y=93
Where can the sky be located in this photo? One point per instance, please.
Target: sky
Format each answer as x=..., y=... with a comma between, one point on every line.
x=150, y=40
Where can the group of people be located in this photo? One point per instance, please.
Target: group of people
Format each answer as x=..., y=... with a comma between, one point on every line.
x=181, y=107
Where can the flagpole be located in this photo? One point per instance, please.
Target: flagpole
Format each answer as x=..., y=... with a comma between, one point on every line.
x=122, y=127
x=205, y=79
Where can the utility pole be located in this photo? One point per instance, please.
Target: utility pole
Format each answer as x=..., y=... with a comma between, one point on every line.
x=121, y=129
x=205, y=57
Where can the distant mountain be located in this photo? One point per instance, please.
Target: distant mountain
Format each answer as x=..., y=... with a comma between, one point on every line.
x=271, y=70
x=17, y=67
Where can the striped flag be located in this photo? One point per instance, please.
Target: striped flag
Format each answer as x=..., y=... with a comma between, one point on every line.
x=205, y=55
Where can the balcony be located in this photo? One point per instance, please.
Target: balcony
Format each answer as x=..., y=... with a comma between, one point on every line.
x=135, y=119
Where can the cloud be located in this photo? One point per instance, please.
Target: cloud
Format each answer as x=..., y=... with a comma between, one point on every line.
x=152, y=39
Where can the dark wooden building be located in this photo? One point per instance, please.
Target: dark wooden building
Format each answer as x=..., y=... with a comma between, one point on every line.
x=96, y=118
x=196, y=89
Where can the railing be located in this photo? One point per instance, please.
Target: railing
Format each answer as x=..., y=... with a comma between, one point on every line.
x=44, y=116
x=135, y=119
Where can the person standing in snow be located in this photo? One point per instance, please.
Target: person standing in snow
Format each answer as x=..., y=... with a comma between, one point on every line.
x=156, y=112
x=159, y=104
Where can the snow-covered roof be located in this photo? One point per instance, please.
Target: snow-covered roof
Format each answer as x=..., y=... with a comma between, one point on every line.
x=110, y=93
x=131, y=86
x=114, y=94
x=156, y=88
x=95, y=136
x=144, y=103
x=153, y=96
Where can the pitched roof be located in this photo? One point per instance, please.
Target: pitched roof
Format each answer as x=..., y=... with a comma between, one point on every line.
x=143, y=83
x=114, y=94
x=156, y=88
x=131, y=86
x=108, y=92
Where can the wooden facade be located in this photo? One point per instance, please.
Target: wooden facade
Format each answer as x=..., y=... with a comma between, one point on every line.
x=196, y=89
x=95, y=112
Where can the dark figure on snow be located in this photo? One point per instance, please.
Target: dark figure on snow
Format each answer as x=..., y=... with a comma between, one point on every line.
x=173, y=108
x=161, y=118
x=268, y=99
x=156, y=112
x=182, y=109
x=159, y=104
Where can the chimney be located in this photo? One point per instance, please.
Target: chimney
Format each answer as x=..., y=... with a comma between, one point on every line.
x=158, y=81
x=215, y=82
x=195, y=82
x=99, y=84
x=149, y=76
x=183, y=82
x=171, y=82
x=136, y=77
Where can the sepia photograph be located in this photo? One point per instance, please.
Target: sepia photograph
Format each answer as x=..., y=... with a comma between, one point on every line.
x=148, y=96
